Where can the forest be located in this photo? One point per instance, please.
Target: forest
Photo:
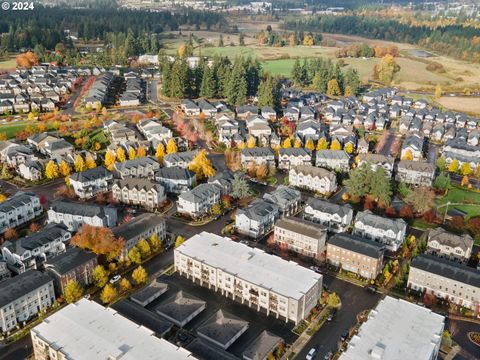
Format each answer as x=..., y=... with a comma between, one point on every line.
x=459, y=41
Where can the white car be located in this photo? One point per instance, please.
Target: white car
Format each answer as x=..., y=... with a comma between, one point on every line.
x=115, y=279
x=311, y=354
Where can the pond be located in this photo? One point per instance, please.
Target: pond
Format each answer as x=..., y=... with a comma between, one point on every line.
x=421, y=53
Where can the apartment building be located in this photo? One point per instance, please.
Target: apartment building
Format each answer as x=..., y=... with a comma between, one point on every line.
x=86, y=184
x=447, y=280
x=23, y=297
x=301, y=236
x=73, y=214
x=355, y=254
x=75, y=264
x=176, y=179
x=143, y=167
x=87, y=330
x=313, y=178
x=19, y=209
x=290, y=157
x=450, y=246
x=141, y=192
x=336, y=218
x=416, y=173
x=390, y=232
x=249, y=275
x=397, y=329
x=142, y=226
x=30, y=251
x=199, y=200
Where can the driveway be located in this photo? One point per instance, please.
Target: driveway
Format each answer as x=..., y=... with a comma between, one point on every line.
x=459, y=330
x=354, y=299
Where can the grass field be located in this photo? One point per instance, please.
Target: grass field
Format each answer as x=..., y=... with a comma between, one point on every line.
x=456, y=195
x=12, y=129
x=7, y=64
x=465, y=104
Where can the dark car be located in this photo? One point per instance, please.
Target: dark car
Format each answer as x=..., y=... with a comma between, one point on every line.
x=344, y=336
x=168, y=247
x=371, y=289
x=331, y=316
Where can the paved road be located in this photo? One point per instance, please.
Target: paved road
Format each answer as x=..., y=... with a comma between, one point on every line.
x=19, y=350
x=354, y=300
x=68, y=108
x=152, y=91
x=385, y=150
x=47, y=190
x=433, y=150
x=459, y=330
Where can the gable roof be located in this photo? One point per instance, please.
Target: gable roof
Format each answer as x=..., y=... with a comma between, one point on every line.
x=380, y=222
x=357, y=244
x=443, y=237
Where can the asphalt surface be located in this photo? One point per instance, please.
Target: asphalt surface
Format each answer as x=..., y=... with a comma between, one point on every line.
x=459, y=330
x=354, y=299
x=47, y=190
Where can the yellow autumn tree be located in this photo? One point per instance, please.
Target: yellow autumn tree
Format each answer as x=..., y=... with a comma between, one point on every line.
x=297, y=144
x=160, y=152
x=333, y=89
x=407, y=155
x=141, y=152
x=454, y=165
x=90, y=162
x=308, y=40
x=252, y=142
x=51, y=170
x=310, y=144
x=438, y=91
x=131, y=153
x=121, y=156
x=349, y=148
x=287, y=143
x=79, y=163
x=335, y=145
x=171, y=146
x=109, y=160
x=201, y=165
x=64, y=168
x=322, y=144
x=466, y=169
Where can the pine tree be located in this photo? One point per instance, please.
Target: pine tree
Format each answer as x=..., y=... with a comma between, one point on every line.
x=51, y=170
x=269, y=92
x=220, y=41
x=207, y=87
x=333, y=88
x=297, y=72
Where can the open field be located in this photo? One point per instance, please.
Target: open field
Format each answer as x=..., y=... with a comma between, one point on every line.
x=7, y=64
x=456, y=195
x=11, y=129
x=465, y=104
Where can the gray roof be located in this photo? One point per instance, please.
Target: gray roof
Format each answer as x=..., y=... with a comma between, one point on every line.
x=261, y=346
x=357, y=244
x=283, y=195
x=380, y=222
x=222, y=327
x=295, y=152
x=75, y=208
x=139, y=184
x=444, y=237
x=42, y=237
x=137, y=226
x=449, y=269
x=138, y=162
x=258, y=151
x=413, y=141
x=314, y=171
x=185, y=156
x=201, y=192
x=180, y=307
x=69, y=260
x=58, y=144
x=174, y=172
x=258, y=209
x=376, y=159
x=301, y=226
x=19, y=199
x=98, y=172
x=332, y=154
x=20, y=285
x=420, y=166
x=330, y=208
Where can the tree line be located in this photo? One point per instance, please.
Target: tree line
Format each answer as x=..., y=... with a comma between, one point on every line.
x=454, y=40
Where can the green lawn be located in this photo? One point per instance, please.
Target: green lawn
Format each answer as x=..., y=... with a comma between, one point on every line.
x=456, y=195
x=8, y=64
x=12, y=129
x=279, y=67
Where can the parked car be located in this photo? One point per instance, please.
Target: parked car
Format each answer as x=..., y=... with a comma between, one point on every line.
x=316, y=269
x=244, y=242
x=311, y=354
x=168, y=247
x=371, y=289
x=344, y=336
x=115, y=279
x=328, y=356
x=331, y=316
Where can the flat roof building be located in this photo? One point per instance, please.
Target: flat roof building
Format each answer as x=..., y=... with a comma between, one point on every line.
x=250, y=275
x=87, y=330
x=397, y=329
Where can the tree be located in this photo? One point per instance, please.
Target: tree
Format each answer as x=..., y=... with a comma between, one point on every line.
x=109, y=294
x=109, y=160
x=406, y=212
x=90, y=162
x=160, y=153
x=287, y=143
x=51, y=170
x=407, y=155
x=220, y=41
x=297, y=144
x=6, y=175
x=216, y=209
x=139, y=275
x=79, y=163
x=131, y=153
x=73, y=291
x=100, y=276
x=252, y=169
x=380, y=185
x=155, y=243
x=335, y=145
x=465, y=181
x=322, y=144
x=269, y=92
x=100, y=240
x=134, y=255
x=422, y=199
x=179, y=241
x=251, y=142
x=125, y=285
x=441, y=163
x=64, y=168
x=310, y=144
x=349, y=148
x=201, y=165
x=438, y=91
x=466, y=169
x=144, y=248
x=10, y=234
x=442, y=182
x=386, y=69
x=333, y=88
x=171, y=146
x=262, y=171
x=240, y=187
x=453, y=167
x=121, y=156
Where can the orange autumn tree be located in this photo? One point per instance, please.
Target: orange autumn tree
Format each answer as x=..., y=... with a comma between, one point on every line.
x=27, y=60
x=100, y=240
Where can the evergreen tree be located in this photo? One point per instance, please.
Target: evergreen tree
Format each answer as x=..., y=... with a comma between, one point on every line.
x=207, y=88
x=297, y=72
x=269, y=92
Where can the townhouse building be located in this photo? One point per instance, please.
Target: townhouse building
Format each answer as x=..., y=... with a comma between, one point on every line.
x=30, y=251
x=413, y=147
x=199, y=201
x=313, y=178
x=390, y=232
x=337, y=160
x=143, y=167
x=24, y=296
x=257, y=219
x=416, y=173
x=75, y=264
x=19, y=209
x=286, y=198
x=86, y=184
x=447, y=280
x=290, y=157
x=377, y=160
x=141, y=227
x=179, y=159
x=336, y=218
x=176, y=179
x=31, y=170
x=143, y=192
x=301, y=236
x=449, y=246
x=250, y=276
x=73, y=215
x=258, y=155
x=355, y=254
